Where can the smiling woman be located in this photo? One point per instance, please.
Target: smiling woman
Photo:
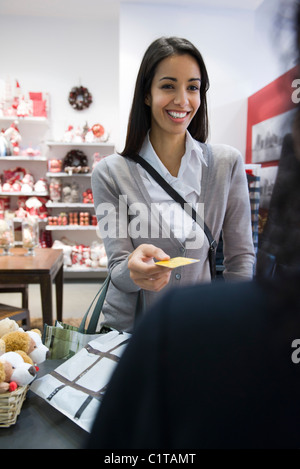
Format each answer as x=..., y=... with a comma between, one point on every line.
x=174, y=99
x=168, y=129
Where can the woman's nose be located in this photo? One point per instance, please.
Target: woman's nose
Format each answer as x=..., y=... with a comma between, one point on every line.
x=181, y=97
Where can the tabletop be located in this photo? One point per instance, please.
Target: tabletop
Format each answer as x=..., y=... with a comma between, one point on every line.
x=43, y=261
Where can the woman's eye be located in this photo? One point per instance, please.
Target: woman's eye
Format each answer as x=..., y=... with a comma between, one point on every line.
x=194, y=88
x=167, y=87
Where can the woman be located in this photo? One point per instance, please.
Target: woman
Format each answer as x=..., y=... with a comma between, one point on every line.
x=138, y=221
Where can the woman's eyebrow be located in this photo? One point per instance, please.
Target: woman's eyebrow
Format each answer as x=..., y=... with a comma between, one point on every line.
x=175, y=79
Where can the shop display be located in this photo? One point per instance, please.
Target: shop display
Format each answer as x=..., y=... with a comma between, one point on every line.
x=80, y=98
x=85, y=134
x=30, y=234
x=20, y=180
x=10, y=140
x=93, y=256
x=7, y=237
x=70, y=193
x=55, y=166
x=16, y=102
x=55, y=189
x=75, y=161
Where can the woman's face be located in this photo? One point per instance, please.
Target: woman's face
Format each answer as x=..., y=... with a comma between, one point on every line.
x=175, y=94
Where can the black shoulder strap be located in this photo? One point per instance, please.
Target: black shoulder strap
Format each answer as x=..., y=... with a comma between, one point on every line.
x=187, y=207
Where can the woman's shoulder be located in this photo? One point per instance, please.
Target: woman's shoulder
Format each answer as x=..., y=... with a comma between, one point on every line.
x=223, y=150
x=221, y=154
x=111, y=162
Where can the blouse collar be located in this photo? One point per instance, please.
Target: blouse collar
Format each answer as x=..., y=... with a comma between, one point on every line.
x=189, y=175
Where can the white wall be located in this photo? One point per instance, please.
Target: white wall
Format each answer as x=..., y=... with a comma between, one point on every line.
x=225, y=39
x=55, y=54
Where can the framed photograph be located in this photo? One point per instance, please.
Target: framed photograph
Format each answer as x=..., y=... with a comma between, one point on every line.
x=270, y=116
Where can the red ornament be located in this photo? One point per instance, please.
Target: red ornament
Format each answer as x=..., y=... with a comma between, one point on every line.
x=98, y=130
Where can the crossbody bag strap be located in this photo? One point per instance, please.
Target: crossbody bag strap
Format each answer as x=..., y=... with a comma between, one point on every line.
x=191, y=211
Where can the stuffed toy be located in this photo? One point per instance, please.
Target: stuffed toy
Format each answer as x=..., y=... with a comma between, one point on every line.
x=30, y=342
x=16, y=370
x=2, y=347
x=8, y=325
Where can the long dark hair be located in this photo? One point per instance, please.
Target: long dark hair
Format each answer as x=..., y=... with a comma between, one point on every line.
x=140, y=115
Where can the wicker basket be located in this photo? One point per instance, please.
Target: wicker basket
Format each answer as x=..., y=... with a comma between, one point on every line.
x=10, y=406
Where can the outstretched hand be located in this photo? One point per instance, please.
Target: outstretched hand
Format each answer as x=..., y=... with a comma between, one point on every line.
x=143, y=270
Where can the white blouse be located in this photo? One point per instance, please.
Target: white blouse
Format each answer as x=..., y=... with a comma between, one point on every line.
x=187, y=184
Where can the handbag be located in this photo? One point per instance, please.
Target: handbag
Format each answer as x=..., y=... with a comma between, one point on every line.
x=179, y=199
x=63, y=340
x=77, y=386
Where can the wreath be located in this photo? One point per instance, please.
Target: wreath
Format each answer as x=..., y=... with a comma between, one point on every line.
x=80, y=98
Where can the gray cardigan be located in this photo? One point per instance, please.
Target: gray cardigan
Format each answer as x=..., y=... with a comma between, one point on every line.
x=224, y=193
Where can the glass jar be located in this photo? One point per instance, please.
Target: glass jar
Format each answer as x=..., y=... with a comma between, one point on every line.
x=30, y=234
x=7, y=235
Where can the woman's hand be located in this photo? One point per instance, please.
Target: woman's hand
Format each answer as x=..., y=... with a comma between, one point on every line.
x=143, y=270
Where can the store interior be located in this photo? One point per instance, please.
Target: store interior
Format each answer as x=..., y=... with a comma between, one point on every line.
x=56, y=47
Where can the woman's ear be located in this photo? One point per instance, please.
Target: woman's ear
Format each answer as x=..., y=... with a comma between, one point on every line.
x=148, y=100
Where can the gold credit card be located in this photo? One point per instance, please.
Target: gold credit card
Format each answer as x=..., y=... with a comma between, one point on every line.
x=177, y=262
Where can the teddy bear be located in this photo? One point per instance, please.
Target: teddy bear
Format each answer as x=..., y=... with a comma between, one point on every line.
x=8, y=325
x=30, y=342
x=2, y=347
x=13, y=369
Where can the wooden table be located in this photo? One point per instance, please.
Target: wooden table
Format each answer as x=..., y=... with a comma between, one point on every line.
x=43, y=268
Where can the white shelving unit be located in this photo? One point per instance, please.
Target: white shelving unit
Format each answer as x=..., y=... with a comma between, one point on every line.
x=76, y=234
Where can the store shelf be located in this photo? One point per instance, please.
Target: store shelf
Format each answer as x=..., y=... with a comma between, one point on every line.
x=80, y=144
x=65, y=175
x=30, y=120
x=68, y=205
x=25, y=194
x=85, y=272
x=23, y=158
x=19, y=220
x=70, y=227
x=83, y=268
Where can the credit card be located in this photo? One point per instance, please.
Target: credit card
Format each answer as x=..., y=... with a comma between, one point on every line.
x=177, y=262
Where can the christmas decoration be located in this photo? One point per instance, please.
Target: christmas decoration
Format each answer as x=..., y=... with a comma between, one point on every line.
x=80, y=98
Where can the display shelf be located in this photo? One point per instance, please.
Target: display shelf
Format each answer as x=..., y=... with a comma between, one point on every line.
x=71, y=227
x=51, y=204
x=85, y=272
x=19, y=220
x=77, y=234
x=29, y=120
x=69, y=174
x=79, y=144
x=85, y=269
x=23, y=158
x=25, y=194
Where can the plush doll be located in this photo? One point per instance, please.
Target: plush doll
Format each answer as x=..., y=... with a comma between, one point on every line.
x=8, y=325
x=5, y=369
x=2, y=347
x=16, y=369
x=30, y=342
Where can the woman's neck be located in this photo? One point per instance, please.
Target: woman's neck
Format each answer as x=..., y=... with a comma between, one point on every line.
x=170, y=150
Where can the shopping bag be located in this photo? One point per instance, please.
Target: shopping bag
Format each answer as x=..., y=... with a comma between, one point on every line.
x=76, y=387
x=63, y=340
